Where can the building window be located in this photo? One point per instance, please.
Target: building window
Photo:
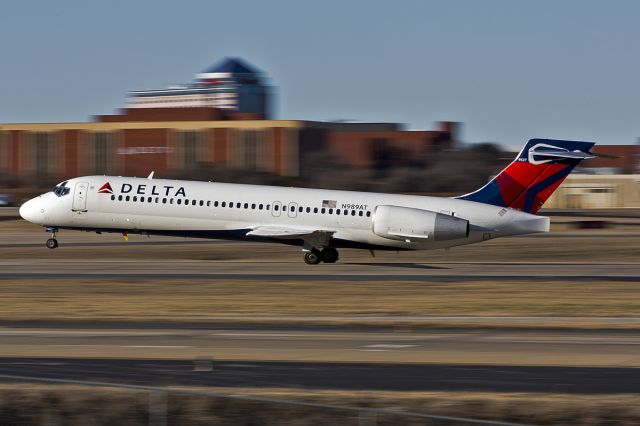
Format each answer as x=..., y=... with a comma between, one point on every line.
x=189, y=148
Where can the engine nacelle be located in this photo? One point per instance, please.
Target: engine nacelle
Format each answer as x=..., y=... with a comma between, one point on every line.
x=405, y=223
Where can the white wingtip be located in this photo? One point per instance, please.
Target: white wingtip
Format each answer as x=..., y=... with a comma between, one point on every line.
x=151, y=175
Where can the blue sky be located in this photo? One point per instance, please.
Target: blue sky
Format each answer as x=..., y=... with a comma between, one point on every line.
x=510, y=70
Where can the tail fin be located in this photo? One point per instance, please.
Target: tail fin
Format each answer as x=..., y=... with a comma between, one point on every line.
x=534, y=175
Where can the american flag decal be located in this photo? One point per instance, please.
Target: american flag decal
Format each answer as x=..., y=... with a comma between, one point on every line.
x=331, y=204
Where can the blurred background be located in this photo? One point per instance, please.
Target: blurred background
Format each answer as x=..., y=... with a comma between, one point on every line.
x=417, y=97
x=422, y=98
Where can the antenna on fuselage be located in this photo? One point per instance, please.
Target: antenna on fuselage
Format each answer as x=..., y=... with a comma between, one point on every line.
x=151, y=175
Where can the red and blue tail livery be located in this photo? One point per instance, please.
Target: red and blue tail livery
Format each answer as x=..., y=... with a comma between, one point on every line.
x=534, y=175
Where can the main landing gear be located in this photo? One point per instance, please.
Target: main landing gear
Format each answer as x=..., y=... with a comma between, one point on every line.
x=326, y=255
x=52, y=242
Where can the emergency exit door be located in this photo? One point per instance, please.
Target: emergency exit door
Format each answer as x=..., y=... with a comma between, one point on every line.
x=80, y=197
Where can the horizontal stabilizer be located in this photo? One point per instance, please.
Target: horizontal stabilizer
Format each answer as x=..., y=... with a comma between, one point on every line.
x=578, y=155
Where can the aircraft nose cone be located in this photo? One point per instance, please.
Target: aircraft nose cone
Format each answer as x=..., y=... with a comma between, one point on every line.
x=31, y=210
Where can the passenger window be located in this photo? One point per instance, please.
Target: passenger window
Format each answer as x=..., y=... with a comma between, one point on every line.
x=315, y=210
x=186, y=202
x=127, y=198
x=246, y=205
x=149, y=199
x=353, y=212
x=368, y=214
x=345, y=212
x=113, y=197
x=330, y=211
x=253, y=206
x=308, y=209
x=299, y=209
x=135, y=198
x=215, y=204
x=142, y=199
x=201, y=203
x=259, y=206
x=231, y=205
x=208, y=203
x=157, y=200
x=360, y=213
x=276, y=207
x=170, y=200
x=179, y=201
x=323, y=210
x=193, y=202
x=164, y=201
x=338, y=211
x=268, y=206
x=224, y=204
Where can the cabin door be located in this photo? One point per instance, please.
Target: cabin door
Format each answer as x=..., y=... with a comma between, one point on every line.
x=80, y=197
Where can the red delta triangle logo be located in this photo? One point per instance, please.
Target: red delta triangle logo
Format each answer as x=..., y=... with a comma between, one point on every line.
x=105, y=189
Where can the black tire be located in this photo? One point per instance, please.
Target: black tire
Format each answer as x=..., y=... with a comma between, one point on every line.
x=329, y=255
x=312, y=257
x=52, y=243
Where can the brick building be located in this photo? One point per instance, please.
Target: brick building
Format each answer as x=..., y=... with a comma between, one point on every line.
x=138, y=140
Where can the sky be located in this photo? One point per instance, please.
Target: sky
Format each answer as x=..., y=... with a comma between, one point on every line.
x=509, y=70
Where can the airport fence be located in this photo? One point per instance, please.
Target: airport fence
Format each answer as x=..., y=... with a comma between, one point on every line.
x=158, y=407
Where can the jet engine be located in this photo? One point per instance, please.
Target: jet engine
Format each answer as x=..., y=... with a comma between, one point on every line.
x=405, y=223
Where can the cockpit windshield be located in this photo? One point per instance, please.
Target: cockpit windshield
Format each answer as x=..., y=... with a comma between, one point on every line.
x=61, y=189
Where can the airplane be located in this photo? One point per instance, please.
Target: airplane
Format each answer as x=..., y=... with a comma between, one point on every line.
x=320, y=221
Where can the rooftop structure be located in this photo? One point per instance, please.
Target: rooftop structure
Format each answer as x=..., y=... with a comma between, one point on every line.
x=231, y=85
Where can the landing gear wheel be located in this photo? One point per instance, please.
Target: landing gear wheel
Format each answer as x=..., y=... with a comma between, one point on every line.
x=329, y=255
x=52, y=243
x=312, y=257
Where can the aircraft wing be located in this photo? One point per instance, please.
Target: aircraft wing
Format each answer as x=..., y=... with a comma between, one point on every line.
x=286, y=232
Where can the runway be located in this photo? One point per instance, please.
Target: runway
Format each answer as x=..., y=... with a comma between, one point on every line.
x=568, y=256
x=179, y=269
x=339, y=376
x=580, y=362
x=586, y=348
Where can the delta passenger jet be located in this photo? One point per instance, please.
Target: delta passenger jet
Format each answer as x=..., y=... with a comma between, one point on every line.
x=320, y=221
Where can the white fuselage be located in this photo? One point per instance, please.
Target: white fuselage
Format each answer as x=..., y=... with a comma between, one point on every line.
x=221, y=210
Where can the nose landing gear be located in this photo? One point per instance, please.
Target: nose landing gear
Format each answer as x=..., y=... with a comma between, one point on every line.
x=52, y=242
